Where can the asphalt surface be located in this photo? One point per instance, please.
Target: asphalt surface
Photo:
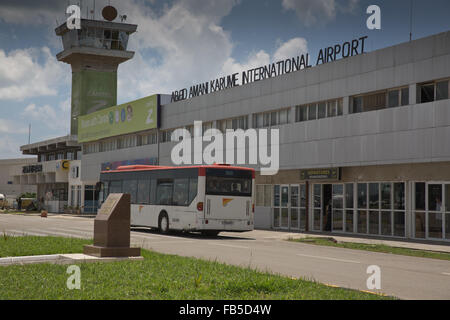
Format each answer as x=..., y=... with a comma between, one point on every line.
x=401, y=276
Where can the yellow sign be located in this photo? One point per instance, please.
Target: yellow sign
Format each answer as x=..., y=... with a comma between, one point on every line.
x=65, y=165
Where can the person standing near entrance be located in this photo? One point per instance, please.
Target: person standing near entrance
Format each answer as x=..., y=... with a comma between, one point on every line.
x=328, y=219
x=438, y=204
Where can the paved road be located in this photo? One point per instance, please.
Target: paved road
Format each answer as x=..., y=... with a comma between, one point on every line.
x=401, y=276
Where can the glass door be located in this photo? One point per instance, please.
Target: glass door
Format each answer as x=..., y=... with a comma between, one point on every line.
x=294, y=218
x=276, y=207
x=435, y=211
x=337, y=207
x=431, y=210
x=317, y=207
x=284, y=207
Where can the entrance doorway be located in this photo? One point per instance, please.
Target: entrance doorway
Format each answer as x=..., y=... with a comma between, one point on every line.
x=289, y=207
x=322, y=213
x=432, y=210
x=327, y=210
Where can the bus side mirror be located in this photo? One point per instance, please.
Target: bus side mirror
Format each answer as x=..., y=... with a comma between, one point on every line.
x=98, y=186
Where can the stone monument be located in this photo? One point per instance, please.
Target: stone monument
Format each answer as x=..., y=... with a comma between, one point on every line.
x=112, y=229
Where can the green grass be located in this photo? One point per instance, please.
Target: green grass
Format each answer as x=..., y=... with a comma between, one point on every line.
x=374, y=247
x=158, y=276
x=29, y=246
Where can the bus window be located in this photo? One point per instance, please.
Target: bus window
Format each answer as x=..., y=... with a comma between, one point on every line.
x=193, y=187
x=104, y=191
x=115, y=187
x=143, y=191
x=229, y=182
x=153, y=191
x=164, y=191
x=130, y=186
x=181, y=192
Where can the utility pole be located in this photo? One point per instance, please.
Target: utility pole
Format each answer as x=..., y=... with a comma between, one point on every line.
x=411, y=20
x=29, y=133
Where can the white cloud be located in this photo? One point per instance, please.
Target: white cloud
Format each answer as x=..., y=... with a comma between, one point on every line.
x=10, y=147
x=254, y=60
x=180, y=45
x=31, y=12
x=186, y=39
x=192, y=48
x=311, y=12
x=22, y=76
x=292, y=48
x=11, y=127
x=54, y=118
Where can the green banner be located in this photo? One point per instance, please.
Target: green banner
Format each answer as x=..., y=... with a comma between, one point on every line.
x=92, y=91
x=138, y=115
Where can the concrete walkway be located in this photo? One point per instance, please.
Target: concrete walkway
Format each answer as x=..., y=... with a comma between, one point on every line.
x=410, y=244
x=438, y=246
x=69, y=258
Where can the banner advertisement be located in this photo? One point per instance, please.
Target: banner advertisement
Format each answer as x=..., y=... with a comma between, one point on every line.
x=92, y=91
x=134, y=116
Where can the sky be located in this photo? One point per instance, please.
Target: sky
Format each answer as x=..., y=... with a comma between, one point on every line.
x=180, y=43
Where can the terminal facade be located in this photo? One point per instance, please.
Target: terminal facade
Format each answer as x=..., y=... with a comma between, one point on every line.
x=363, y=142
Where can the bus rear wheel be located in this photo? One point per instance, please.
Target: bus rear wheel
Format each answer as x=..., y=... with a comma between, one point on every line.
x=209, y=233
x=163, y=223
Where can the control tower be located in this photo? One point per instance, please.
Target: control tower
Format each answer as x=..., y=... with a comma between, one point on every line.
x=94, y=51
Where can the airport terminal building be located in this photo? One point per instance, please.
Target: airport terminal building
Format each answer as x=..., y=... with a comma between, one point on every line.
x=364, y=141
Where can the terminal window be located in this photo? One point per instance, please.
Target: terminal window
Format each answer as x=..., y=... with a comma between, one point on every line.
x=442, y=90
x=233, y=124
x=433, y=91
x=149, y=139
x=374, y=101
x=165, y=136
x=427, y=93
x=264, y=195
x=320, y=110
x=398, y=97
x=272, y=118
x=385, y=99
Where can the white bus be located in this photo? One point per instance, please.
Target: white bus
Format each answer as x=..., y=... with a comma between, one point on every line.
x=209, y=199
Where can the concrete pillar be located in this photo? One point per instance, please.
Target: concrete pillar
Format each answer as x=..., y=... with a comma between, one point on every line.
x=409, y=196
x=413, y=94
x=346, y=104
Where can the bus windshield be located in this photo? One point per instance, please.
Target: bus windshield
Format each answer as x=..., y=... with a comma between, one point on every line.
x=229, y=182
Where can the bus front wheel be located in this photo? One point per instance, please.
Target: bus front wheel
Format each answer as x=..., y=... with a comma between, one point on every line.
x=163, y=223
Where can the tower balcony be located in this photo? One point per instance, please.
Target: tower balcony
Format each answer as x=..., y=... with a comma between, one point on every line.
x=95, y=40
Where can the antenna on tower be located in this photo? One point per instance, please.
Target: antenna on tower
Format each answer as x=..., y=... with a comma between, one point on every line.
x=411, y=20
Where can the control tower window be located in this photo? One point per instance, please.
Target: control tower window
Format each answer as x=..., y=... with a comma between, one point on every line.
x=107, y=39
